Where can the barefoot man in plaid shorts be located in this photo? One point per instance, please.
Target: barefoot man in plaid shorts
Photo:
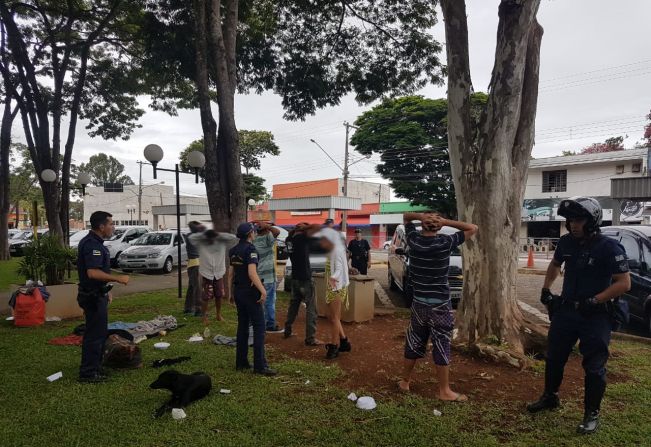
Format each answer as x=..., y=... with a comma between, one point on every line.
x=431, y=310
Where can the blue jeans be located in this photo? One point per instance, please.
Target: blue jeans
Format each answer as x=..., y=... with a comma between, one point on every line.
x=249, y=313
x=270, y=306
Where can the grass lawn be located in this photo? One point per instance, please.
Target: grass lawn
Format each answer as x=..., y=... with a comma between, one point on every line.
x=8, y=273
x=282, y=411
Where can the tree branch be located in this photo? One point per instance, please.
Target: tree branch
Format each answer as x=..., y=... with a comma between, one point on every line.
x=525, y=135
x=370, y=22
x=460, y=133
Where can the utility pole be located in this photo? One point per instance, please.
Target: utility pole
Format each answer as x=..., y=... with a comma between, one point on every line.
x=140, y=194
x=344, y=217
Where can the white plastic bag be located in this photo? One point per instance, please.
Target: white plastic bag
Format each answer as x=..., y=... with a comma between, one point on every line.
x=178, y=414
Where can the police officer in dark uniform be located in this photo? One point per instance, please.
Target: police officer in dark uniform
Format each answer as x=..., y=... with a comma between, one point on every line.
x=360, y=253
x=596, y=272
x=250, y=295
x=94, y=268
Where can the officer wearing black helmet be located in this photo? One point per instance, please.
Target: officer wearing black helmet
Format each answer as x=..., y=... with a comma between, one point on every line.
x=596, y=271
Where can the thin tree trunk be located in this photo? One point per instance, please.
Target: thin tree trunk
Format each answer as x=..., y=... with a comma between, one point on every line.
x=5, y=145
x=489, y=165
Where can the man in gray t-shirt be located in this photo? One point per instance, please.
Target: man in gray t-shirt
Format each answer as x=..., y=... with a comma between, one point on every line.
x=265, y=245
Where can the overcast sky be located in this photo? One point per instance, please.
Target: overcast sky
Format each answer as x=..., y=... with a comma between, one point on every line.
x=595, y=77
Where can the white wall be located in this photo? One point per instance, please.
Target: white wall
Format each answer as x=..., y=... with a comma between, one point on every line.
x=582, y=180
x=367, y=191
x=152, y=195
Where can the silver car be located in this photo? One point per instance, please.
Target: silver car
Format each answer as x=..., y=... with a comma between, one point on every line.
x=153, y=251
x=398, y=268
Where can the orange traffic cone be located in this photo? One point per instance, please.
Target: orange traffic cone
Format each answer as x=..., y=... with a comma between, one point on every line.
x=530, y=264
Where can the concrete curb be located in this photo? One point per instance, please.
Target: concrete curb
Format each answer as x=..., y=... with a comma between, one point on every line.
x=629, y=337
x=527, y=271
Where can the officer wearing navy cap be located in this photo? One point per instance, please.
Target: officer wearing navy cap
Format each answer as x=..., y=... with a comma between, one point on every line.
x=94, y=268
x=250, y=295
x=596, y=272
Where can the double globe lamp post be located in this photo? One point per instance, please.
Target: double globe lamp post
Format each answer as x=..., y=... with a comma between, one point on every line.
x=154, y=154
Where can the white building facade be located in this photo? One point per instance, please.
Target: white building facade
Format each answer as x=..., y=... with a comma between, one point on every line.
x=131, y=205
x=551, y=180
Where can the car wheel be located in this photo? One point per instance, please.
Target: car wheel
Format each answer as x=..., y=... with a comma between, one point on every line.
x=392, y=282
x=114, y=261
x=648, y=320
x=168, y=266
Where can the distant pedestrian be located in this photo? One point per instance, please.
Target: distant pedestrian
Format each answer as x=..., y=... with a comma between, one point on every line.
x=250, y=295
x=265, y=243
x=213, y=247
x=193, y=294
x=431, y=310
x=298, y=244
x=336, y=273
x=329, y=223
x=360, y=253
x=94, y=296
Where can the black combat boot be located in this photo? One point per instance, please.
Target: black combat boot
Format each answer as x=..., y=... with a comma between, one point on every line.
x=344, y=345
x=332, y=351
x=590, y=423
x=548, y=401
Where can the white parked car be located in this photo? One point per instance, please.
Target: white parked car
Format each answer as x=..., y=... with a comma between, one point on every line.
x=387, y=244
x=120, y=240
x=77, y=237
x=153, y=251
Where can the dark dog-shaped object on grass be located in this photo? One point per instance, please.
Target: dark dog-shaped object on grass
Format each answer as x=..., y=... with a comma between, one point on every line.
x=185, y=388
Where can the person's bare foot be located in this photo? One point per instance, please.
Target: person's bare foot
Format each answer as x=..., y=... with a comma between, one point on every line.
x=451, y=396
x=220, y=318
x=403, y=386
x=205, y=320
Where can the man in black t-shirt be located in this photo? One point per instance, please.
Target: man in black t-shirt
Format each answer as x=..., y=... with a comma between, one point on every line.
x=360, y=253
x=298, y=245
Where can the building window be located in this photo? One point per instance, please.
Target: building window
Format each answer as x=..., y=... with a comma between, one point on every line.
x=619, y=169
x=637, y=167
x=554, y=181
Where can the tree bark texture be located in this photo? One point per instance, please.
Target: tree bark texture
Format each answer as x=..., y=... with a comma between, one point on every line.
x=8, y=116
x=489, y=164
x=215, y=41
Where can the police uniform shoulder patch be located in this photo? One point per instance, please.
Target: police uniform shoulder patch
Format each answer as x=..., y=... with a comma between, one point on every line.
x=97, y=253
x=620, y=258
x=254, y=255
x=623, y=266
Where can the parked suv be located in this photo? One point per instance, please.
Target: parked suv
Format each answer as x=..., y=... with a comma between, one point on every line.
x=154, y=251
x=120, y=240
x=398, y=268
x=637, y=243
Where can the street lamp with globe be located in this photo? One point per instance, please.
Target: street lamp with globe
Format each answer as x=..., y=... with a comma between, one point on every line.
x=49, y=176
x=154, y=154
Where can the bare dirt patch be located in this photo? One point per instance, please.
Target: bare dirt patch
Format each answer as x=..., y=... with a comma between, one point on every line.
x=375, y=364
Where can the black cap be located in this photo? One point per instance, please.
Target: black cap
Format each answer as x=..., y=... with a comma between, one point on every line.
x=329, y=221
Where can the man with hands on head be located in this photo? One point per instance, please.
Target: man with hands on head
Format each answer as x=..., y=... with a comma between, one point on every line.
x=431, y=310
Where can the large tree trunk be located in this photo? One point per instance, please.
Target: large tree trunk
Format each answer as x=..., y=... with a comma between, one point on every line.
x=489, y=165
x=5, y=144
x=216, y=185
x=216, y=59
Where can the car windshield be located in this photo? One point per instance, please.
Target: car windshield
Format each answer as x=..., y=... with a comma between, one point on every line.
x=117, y=234
x=154, y=239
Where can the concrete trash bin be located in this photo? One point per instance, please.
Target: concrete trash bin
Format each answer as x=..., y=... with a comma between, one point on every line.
x=361, y=300
x=319, y=293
